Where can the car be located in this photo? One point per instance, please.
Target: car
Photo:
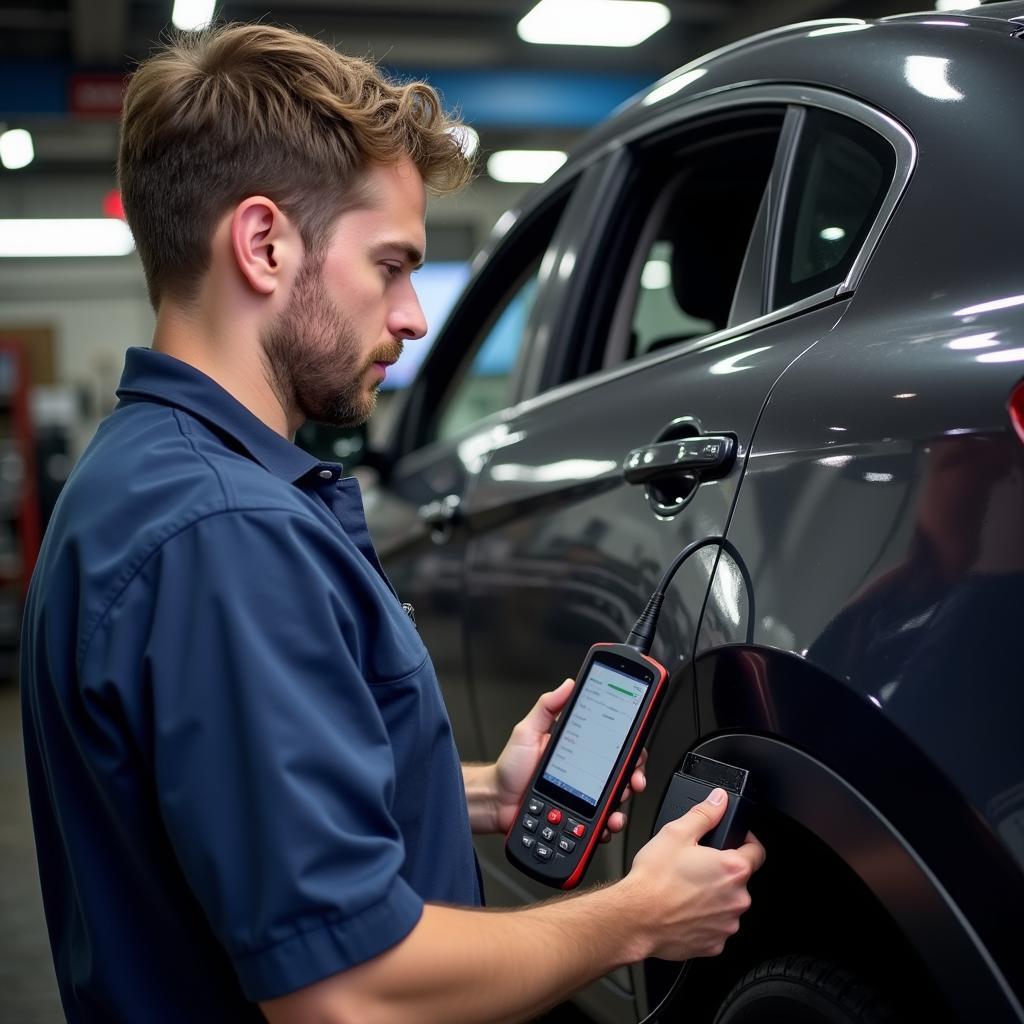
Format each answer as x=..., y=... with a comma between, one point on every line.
x=810, y=243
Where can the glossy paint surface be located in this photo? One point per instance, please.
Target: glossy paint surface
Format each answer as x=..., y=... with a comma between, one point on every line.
x=877, y=500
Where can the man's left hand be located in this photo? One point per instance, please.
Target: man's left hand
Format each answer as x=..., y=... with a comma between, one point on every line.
x=518, y=761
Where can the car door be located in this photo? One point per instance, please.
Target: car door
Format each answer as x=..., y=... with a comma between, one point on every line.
x=449, y=420
x=674, y=339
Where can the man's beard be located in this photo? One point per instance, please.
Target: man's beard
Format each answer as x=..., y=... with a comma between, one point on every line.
x=311, y=353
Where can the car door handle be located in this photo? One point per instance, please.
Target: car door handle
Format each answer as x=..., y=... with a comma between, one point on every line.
x=705, y=456
x=443, y=512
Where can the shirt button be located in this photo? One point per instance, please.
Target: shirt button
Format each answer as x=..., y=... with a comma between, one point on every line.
x=326, y=474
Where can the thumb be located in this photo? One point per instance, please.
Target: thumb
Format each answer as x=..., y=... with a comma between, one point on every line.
x=703, y=817
x=548, y=705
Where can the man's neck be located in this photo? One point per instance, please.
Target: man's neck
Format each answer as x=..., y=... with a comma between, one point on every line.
x=221, y=352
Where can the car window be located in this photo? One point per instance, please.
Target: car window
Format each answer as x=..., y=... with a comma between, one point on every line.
x=689, y=257
x=841, y=173
x=484, y=382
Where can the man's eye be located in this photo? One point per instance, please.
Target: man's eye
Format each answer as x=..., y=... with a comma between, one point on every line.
x=392, y=269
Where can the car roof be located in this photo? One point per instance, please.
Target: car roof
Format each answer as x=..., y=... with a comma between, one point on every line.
x=859, y=57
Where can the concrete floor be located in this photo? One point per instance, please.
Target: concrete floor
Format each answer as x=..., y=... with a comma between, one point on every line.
x=28, y=988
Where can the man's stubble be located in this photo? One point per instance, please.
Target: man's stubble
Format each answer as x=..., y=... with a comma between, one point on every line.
x=311, y=354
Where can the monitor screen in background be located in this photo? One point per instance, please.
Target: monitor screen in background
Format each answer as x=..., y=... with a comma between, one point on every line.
x=438, y=285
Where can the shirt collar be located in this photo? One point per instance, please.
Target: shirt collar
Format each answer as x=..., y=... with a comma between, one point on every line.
x=156, y=376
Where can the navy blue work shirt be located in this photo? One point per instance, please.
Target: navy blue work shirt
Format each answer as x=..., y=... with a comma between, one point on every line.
x=242, y=773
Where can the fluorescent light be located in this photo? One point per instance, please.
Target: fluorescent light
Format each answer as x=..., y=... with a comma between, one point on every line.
x=467, y=139
x=517, y=165
x=593, y=22
x=832, y=234
x=956, y=5
x=192, y=15
x=100, y=237
x=16, y=149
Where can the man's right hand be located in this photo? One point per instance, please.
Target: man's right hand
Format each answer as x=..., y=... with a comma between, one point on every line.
x=689, y=898
x=679, y=900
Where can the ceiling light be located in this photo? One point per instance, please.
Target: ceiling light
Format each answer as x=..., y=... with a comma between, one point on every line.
x=956, y=5
x=16, y=149
x=192, y=15
x=593, y=22
x=100, y=237
x=521, y=165
x=832, y=234
x=467, y=139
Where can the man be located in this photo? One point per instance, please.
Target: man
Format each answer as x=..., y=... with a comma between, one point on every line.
x=244, y=787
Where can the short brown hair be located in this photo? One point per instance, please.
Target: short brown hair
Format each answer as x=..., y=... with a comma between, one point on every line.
x=242, y=110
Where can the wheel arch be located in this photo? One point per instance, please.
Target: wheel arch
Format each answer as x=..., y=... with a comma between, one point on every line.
x=849, y=806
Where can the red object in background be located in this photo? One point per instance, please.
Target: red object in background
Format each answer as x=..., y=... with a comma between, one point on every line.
x=96, y=95
x=14, y=385
x=1016, y=406
x=112, y=205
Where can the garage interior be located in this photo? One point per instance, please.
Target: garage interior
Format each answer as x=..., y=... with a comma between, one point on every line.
x=65, y=321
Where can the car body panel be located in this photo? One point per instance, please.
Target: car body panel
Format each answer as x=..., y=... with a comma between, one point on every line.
x=876, y=501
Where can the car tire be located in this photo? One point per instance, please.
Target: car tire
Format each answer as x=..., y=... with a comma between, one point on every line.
x=803, y=990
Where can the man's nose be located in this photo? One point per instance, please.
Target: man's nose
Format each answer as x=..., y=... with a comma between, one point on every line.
x=407, y=319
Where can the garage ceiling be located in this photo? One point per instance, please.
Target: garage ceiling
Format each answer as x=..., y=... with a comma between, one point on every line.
x=425, y=37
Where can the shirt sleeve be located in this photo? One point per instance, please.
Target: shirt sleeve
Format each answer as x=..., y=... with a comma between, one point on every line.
x=272, y=765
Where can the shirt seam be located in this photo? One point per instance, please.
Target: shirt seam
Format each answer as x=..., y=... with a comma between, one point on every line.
x=324, y=922
x=143, y=560
x=187, y=435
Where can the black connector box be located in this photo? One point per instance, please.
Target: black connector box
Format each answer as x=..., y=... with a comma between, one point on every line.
x=691, y=785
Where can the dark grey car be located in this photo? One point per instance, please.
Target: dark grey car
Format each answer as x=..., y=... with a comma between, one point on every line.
x=810, y=241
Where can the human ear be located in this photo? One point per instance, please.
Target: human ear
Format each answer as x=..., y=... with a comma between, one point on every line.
x=264, y=244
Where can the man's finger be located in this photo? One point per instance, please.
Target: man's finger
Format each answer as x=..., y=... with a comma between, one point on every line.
x=703, y=817
x=753, y=851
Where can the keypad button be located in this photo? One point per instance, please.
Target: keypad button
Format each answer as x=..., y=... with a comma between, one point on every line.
x=565, y=844
x=535, y=806
x=542, y=852
x=548, y=833
x=554, y=815
x=530, y=824
x=528, y=841
x=576, y=828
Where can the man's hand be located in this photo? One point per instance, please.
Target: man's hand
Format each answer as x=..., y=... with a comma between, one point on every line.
x=518, y=761
x=690, y=896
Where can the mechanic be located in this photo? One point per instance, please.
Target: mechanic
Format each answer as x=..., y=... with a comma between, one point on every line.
x=245, y=791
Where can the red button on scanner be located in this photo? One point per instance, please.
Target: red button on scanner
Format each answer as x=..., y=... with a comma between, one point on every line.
x=578, y=830
x=554, y=815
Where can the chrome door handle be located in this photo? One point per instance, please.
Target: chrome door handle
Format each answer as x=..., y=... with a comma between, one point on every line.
x=705, y=456
x=444, y=511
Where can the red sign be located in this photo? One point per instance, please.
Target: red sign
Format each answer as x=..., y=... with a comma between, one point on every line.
x=96, y=95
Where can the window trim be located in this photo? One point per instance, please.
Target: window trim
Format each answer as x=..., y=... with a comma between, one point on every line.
x=795, y=99
x=906, y=160
x=743, y=95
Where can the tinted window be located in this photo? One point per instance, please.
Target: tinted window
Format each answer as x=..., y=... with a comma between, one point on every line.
x=484, y=384
x=695, y=242
x=841, y=174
